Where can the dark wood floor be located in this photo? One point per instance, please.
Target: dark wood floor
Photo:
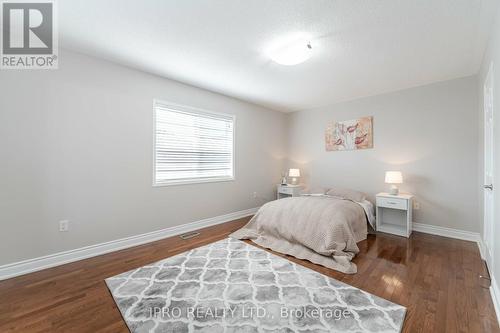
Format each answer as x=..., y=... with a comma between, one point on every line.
x=437, y=278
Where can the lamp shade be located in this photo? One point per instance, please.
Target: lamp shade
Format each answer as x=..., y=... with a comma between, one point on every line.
x=294, y=173
x=393, y=177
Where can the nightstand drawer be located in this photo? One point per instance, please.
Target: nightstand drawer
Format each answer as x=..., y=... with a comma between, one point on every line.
x=395, y=203
x=286, y=190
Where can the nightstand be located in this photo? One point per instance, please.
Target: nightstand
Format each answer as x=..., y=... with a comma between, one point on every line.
x=394, y=213
x=285, y=191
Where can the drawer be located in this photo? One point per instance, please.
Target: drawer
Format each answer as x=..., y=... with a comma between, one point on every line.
x=286, y=190
x=395, y=203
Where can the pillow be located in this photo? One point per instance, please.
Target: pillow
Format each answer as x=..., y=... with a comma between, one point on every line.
x=348, y=194
x=314, y=191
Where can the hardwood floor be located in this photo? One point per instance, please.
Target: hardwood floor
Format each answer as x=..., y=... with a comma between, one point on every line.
x=437, y=278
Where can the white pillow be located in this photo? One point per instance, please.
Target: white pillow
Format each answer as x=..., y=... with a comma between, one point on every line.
x=348, y=194
x=314, y=191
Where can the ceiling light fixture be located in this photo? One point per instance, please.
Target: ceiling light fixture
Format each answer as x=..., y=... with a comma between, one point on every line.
x=292, y=51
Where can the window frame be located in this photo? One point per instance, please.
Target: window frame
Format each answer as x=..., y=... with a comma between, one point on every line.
x=199, y=111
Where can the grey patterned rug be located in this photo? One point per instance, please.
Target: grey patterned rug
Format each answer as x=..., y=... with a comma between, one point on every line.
x=230, y=286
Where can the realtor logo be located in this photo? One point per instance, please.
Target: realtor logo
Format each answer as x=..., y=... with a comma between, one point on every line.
x=29, y=36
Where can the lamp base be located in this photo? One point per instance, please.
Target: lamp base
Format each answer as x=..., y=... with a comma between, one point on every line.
x=394, y=190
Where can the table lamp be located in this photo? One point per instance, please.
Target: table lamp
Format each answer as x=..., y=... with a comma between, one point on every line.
x=393, y=178
x=294, y=173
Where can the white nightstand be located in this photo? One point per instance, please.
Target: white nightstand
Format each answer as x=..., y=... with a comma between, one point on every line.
x=284, y=191
x=394, y=213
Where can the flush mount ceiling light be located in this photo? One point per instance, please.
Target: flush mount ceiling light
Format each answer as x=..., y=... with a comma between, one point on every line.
x=292, y=50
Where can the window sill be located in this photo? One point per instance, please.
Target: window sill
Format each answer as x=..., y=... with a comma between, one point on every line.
x=193, y=181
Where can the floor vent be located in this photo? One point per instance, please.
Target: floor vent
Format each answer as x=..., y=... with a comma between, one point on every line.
x=189, y=235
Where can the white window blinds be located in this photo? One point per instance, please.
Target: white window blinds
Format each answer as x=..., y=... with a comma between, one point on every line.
x=192, y=145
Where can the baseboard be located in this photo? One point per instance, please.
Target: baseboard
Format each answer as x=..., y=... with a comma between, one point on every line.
x=37, y=264
x=447, y=232
x=495, y=296
x=482, y=248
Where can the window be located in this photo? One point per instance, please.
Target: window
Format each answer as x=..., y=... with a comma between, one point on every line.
x=192, y=145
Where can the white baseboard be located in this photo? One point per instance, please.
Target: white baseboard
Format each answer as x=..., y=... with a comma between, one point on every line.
x=56, y=259
x=448, y=232
x=495, y=295
x=482, y=247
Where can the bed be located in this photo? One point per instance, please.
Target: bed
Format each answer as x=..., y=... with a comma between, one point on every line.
x=322, y=228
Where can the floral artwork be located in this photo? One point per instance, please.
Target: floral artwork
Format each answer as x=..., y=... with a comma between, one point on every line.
x=349, y=134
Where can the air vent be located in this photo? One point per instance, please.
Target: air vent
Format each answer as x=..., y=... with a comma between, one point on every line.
x=189, y=235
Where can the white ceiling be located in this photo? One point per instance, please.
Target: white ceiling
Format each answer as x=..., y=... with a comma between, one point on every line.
x=360, y=47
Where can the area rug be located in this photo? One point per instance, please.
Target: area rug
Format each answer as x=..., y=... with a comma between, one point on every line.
x=230, y=286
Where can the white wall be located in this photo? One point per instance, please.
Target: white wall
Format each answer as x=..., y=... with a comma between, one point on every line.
x=430, y=133
x=492, y=55
x=76, y=143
